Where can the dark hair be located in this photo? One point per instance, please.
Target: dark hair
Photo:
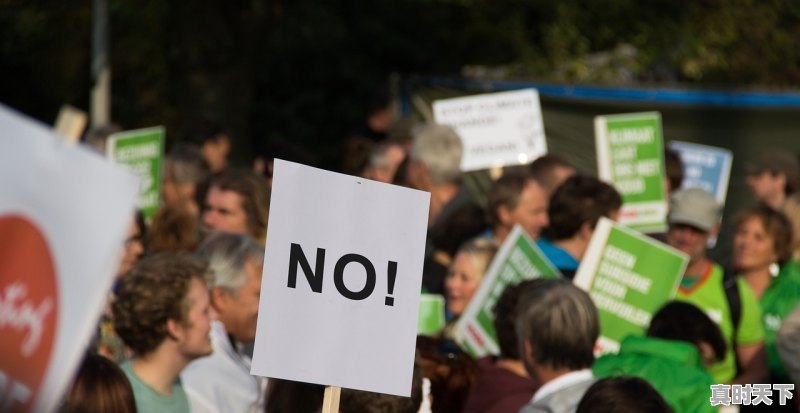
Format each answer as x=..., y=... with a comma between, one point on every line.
x=356, y=401
x=776, y=225
x=99, y=387
x=505, y=192
x=560, y=323
x=505, y=317
x=203, y=130
x=674, y=169
x=463, y=224
x=255, y=194
x=153, y=292
x=622, y=395
x=684, y=322
x=580, y=199
x=452, y=373
x=286, y=396
x=543, y=170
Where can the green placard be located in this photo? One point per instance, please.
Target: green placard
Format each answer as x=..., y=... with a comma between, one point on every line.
x=142, y=151
x=630, y=155
x=517, y=260
x=629, y=276
x=431, y=314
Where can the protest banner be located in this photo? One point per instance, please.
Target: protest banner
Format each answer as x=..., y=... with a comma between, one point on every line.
x=342, y=280
x=518, y=259
x=142, y=152
x=431, y=314
x=629, y=276
x=497, y=129
x=52, y=288
x=70, y=123
x=630, y=156
x=705, y=167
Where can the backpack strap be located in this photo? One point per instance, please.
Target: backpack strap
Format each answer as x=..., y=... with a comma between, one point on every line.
x=734, y=299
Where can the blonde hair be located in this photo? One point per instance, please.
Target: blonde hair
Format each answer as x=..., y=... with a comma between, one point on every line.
x=791, y=208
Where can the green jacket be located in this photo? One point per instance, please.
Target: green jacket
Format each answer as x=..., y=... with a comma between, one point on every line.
x=673, y=368
x=780, y=298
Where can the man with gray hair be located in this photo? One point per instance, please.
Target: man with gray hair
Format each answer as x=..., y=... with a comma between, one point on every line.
x=557, y=326
x=222, y=381
x=435, y=166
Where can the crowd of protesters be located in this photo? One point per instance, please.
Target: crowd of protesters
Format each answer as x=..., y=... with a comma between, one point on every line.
x=177, y=333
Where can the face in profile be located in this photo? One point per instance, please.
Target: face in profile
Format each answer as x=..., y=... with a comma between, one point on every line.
x=132, y=249
x=244, y=305
x=462, y=281
x=193, y=334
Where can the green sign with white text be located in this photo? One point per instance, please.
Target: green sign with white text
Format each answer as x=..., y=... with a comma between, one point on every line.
x=431, y=319
x=142, y=152
x=629, y=276
x=517, y=260
x=630, y=156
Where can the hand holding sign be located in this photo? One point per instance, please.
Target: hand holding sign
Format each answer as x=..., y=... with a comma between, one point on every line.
x=342, y=277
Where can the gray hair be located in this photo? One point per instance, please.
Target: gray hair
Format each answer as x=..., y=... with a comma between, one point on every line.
x=227, y=255
x=440, y=148
x=560, y=322
x=185, y=164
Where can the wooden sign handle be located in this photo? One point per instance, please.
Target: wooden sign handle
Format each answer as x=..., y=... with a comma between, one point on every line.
x=330, y=403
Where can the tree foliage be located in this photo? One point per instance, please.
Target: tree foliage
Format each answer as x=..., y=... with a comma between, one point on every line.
x=300, y=71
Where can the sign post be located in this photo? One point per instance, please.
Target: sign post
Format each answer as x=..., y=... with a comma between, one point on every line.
x=497, y=129
x=52, y=288
x=630, y=156
x=342, y=280
x=142, y=151
x=629, y=276
x=517, y=260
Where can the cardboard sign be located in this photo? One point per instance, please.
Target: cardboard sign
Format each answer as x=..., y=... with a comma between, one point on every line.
x=629, y=276
x=630, y=156
x=431, y=314
x=70, y=123
x=497, y=129
x=142, y=151
x=342, y=280
x=52, y=288
x=517, y=260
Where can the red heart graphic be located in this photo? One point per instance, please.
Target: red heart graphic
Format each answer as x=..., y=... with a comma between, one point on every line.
x=28, y=312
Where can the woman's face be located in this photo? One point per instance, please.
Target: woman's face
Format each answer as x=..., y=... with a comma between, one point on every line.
x=461, y=283
x=753, y=247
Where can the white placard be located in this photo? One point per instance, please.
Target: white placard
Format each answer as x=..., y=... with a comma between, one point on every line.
x=497, y=129
x=328, y=313
x=63, y=216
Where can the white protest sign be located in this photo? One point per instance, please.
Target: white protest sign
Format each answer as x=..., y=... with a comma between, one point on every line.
x=342, y=280
x=63, y=216
x=497, y=129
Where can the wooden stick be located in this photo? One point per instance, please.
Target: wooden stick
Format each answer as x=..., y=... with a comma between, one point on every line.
x=330, y=403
